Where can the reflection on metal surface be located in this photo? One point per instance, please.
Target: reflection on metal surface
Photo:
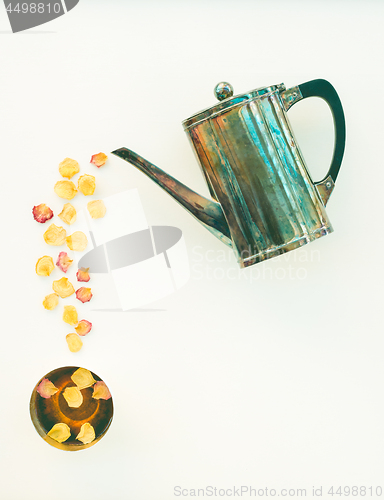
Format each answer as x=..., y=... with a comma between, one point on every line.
x=131, y=249
x=138, y=268
x=256, y=170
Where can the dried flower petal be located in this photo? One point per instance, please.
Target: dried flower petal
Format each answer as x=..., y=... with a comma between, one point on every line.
x=74, y=342
x=86, y=184
x=99, y=159
x=96, y=209
x=63, y=287
x=51, y=301
x=83, y=378
x=83, y=328
x=63, y=261
x=42, y=213
x=46, y=389
x=83, y=274
x=68, y=214
x=101, y=391
x=84, y=294
x=68, y=168
x=70, y=315
x=73, y=397
x=77, y=241
x=44, y=266
x=55, y=235
x=59, y=432
x=86, y=434
x=65, y=189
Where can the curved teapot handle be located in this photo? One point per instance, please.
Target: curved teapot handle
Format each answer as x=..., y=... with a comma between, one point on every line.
x=322, y=88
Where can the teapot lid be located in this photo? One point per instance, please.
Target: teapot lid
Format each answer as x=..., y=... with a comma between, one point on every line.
x=224, y=93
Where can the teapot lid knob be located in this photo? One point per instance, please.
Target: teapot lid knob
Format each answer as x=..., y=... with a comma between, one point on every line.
x=223, y=90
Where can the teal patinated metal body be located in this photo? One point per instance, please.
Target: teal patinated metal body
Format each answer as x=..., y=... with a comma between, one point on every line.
x=264, y=200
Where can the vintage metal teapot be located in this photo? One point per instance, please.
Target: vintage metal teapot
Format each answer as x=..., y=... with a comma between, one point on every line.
x=264, y=200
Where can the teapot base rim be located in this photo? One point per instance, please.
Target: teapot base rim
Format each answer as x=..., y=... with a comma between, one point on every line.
x=286, y=247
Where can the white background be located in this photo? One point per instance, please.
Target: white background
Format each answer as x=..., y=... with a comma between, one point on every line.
x=268, y=377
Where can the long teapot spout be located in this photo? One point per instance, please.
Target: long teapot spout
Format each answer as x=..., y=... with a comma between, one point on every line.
x=206, y=211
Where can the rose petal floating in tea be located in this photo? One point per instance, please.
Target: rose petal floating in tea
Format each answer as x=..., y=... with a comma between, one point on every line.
x=68, y=214
x=83, y=274
x=44, y=266
x=86, y=184
x=77, y=241
x=46, y=389
x=101, y=391
x=99, y=159
x=51, y=301
x=84, y=294
x=65, y=189
x=86, y=434
x=42, y=213
x=63, y=287
x=63, y=261
x=60, y=432
x=73, y=397
x=55, y=235
x=83, y=328
x=96, y=209
x=74, y=342
x=83, y=378
x=68, y=168
x=70, y=315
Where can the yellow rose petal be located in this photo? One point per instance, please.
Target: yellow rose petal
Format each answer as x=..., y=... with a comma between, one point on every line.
x=96, y=209
x=73, y=397
x=44, y=266
x=68, y=168
x=86, y=184
x=51, y=301
x=63, y=287
x=70, y=315
x=60, y=432
x=83, y=378
x=86, y=434
x=74, y=342
x=55, y=235
x=68, y=214
x=77, y=241
x=65, y=189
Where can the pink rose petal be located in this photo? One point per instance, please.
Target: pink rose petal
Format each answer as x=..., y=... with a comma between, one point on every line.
x=101, y=391
x=63, y=261
x=46, y=389
x=84, y=294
